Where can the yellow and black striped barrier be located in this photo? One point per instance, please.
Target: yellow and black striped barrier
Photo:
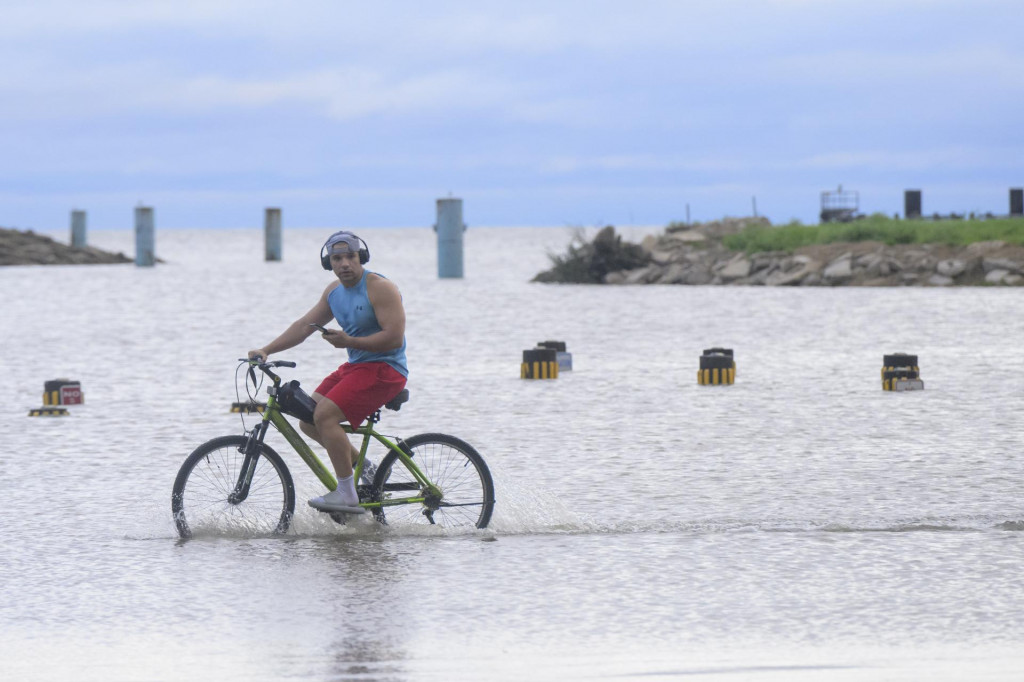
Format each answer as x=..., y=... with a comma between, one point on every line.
x=717, y=367
x=49, y=412
x=539, y=363
x=248, y=408
x=900, y=372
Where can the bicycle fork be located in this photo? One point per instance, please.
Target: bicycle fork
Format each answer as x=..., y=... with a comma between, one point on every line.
x=251, y=452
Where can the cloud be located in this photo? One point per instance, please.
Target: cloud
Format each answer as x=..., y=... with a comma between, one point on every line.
x=43, y=19
x=960, y=157
x=563, y=165
x=343, y=93
x=574, y=97
x=569, y=62
x=735, y=164
x=340, y=93
x=861, y=70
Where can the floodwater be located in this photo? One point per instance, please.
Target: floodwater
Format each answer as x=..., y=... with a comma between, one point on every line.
x=801, y=524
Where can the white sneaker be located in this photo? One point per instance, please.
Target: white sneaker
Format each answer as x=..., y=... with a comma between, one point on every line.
x=336, y=501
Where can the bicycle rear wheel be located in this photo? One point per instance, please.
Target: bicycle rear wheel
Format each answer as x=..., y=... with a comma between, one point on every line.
x=204, y=499
x=451, y=464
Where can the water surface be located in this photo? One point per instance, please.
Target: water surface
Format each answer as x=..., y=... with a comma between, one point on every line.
x=801, y=524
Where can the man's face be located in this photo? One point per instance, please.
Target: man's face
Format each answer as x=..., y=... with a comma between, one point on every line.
x=345, y=264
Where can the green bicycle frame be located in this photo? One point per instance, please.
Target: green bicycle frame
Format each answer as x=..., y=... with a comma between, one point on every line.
x=273, y=415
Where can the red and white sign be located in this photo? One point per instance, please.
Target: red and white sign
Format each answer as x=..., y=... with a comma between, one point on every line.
x=71, y=394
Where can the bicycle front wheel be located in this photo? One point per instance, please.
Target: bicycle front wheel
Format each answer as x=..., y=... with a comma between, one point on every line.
x=466, y=497
x=207, y=496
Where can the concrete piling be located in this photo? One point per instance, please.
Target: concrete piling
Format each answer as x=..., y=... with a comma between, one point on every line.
x=78, y=238
x=449, y=230
x=145, y=238
x=272, y=234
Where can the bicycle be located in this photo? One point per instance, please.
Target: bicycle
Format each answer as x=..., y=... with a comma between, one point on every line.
x=239, y=480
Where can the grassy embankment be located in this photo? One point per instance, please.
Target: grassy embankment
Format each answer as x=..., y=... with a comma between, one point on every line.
x=878, y=228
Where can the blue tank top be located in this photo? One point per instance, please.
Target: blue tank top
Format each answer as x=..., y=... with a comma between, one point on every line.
x=355, y=314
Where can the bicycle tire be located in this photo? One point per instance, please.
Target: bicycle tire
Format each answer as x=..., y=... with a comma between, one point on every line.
x=468, y=491
x=199, y=499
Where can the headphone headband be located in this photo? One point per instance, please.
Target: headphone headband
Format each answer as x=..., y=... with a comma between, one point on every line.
x=343, y=236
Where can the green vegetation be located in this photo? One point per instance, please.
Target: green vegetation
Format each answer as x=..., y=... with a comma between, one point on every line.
x=880, y=228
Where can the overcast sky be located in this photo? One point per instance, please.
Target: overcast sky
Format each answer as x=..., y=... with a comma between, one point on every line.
x=534, y=113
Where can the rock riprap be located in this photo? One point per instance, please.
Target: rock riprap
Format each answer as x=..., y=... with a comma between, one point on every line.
x=28, y=248
x=696, y=255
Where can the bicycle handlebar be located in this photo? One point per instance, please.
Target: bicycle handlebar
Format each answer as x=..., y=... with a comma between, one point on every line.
x=267, y=365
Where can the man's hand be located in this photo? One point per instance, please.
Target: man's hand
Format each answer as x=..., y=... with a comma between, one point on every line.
x=338, y=338
x=258, y=354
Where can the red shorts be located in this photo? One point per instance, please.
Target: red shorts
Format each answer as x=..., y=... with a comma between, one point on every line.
x=361, y=389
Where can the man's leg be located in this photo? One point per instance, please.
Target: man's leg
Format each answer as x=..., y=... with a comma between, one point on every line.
x=327, y=419
x=310, y=430
x=327, y=423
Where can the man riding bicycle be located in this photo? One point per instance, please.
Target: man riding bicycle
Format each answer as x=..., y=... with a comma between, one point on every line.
x=369, y=309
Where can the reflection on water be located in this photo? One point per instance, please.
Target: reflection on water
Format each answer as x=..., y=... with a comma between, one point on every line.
x=800, y=521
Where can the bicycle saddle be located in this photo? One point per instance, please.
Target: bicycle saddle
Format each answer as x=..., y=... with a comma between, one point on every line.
x=396, y=402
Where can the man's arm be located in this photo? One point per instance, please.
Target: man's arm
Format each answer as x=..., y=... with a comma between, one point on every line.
x=387, y=306
x=299, y=330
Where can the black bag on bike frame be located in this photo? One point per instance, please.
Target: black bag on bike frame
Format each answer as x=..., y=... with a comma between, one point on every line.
x=293, y=401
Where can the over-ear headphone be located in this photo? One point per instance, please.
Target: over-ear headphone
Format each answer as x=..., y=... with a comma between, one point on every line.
x=325, y=258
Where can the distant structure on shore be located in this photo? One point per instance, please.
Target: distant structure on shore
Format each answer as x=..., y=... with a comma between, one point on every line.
x=839, y=206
